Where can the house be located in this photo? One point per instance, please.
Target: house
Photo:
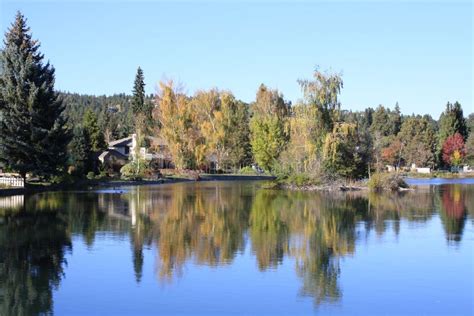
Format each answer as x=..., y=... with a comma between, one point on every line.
x=123, y=150
x=423, y=170
x=467, y=168
x=117, y=154
x=416, y=169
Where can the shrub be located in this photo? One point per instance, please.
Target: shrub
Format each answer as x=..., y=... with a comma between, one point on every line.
x=247, y=170
x=90, y=175
x=386, y=181
x=297, y=179
x=134, y=170
x=63, y=179
x=300, y=179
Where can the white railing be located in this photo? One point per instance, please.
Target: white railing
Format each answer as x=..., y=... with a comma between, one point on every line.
x=9, y=181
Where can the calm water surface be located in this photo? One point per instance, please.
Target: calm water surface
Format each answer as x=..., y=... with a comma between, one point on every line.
x=231, y=248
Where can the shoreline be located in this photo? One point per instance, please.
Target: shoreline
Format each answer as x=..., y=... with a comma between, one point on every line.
x=97, y=184
x=170, y=180
x=414, y=183
x=335, y=186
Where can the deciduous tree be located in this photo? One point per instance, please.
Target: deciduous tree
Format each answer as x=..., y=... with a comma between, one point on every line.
x=340, y=151
x=310, y=121
x=322, y=95
x=392, y=154
x=177, y=125
x=453, y=150
x=269, y=127
x=210, y=124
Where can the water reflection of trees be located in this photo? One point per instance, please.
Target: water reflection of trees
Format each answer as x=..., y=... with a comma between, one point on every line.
x=32, y=249
x=35, y=235
x=454, y=201
x=391, y=208
x=268, y=230
x=208, y=224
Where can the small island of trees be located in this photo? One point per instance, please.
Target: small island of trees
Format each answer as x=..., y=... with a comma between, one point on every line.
x=59, y=136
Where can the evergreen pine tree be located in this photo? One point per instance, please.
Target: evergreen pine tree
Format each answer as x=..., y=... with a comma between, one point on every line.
x=80, y=152
x=451, y=121
x=94, y=135
x=33, y=136
x=141, y=109
x=138, y=101
x=396, y=119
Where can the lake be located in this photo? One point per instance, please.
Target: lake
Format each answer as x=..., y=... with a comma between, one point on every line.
x=219, y=248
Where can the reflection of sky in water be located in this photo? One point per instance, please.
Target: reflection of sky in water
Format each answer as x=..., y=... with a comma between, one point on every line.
x=409, y=273
x=220, y=248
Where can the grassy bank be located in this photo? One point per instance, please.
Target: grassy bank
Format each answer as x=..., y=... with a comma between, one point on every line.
x=305, y=182
x=386, y=182
x=377, y=182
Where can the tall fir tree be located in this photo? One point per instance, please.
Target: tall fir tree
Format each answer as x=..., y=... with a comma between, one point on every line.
x=33, y=136
x=396, y=119
x=142, y=110
x=80, y=152
x=94, y=135
x=138, y=100
x=451, y=121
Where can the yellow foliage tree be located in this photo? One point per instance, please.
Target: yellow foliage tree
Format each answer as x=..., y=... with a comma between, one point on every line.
x=311, y=121
x=207, y=105
x=176, y=120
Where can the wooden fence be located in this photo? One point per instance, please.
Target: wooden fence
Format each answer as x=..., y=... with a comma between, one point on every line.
x=12, y=181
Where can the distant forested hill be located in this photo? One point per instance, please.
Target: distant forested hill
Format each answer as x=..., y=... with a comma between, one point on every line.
x=113, y=112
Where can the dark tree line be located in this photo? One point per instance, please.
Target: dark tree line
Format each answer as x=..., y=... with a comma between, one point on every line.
x=114, y=113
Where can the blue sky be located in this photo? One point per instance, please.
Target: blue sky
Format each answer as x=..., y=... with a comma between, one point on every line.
x=419, y=54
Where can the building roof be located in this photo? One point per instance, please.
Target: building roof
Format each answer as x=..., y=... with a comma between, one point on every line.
x=121, y=142
x=112, y=152
x=127, y=141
